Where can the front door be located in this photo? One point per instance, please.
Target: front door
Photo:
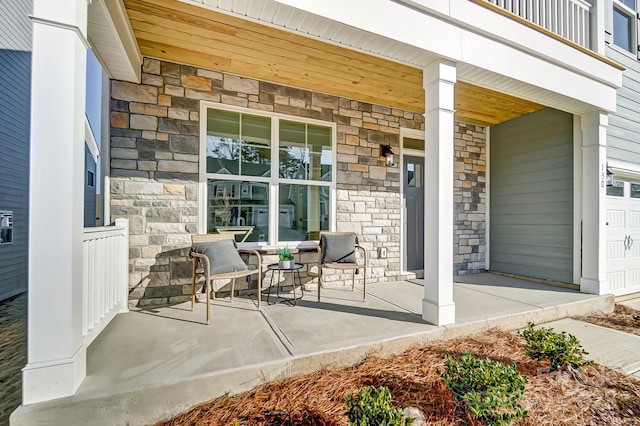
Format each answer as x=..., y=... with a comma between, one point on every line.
x=413, y=179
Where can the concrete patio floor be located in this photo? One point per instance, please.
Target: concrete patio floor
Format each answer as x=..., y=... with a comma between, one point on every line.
x=151, y=364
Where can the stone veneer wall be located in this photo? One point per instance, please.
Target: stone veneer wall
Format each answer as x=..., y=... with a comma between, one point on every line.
x=154, y=167
x=470, y=200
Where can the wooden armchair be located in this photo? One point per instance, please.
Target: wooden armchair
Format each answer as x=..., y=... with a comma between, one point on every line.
x=338, y=251
x=216, y=257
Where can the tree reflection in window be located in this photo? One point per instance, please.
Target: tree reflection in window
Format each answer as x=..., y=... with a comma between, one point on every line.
x=238, y=144
x=305, y=150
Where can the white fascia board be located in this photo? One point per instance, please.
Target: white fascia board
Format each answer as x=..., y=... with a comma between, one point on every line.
x=516, y=64
x=392, y=20
x=113, y=41
x=588, y=79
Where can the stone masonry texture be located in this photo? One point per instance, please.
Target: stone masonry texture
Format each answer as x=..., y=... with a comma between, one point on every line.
x=469, y=197
x=155, y=142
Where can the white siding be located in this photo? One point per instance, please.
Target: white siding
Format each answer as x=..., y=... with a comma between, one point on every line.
x=15, y=92
x=623, y=134
x=15, y=25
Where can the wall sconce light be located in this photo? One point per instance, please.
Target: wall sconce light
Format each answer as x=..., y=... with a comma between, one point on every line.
x=385, y=151
x=609, y=176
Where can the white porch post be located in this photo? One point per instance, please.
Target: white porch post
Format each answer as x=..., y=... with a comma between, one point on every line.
x=594, y=186
x=56, y=356
x=437, y=306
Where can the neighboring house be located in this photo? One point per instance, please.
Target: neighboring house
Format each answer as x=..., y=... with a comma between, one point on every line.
x=277, y=115
x=15, y=97
x=15, y=100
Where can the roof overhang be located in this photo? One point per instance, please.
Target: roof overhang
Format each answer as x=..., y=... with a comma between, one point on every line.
x=491, y=50
x=111, y=38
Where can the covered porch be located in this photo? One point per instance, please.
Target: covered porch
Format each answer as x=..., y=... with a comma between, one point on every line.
x=364, y=81
x=150, y=364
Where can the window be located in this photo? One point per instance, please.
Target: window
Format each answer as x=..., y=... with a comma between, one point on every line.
x=6, y=226
x=269, y=178
x=91, y=179
x=617, y=189
x=624, y=28
x=635, y=190
x=414, y=175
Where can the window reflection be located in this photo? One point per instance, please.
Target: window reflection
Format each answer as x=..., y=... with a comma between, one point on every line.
x=305, y=151
x=238, y=207
x=238, y=144
x=414, y=175
x=635, y=190
x=623, y=29
x=303, y=211
x=617, y=190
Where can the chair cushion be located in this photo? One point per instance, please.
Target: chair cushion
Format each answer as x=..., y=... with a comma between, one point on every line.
x=222, y=255
x=338, y=248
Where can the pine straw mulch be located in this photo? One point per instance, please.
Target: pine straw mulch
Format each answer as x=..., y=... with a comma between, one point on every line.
x=622, y=318
x=598, y=396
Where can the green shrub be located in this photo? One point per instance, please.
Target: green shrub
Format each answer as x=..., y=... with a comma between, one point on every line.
x=372, y=406
x=563, y=350
x=490, y=390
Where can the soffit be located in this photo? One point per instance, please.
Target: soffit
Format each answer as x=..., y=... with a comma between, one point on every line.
x=320, y=55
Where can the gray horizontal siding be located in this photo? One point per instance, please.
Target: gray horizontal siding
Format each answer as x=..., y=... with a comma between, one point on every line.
x=15, y=25
x=531, y=196
x=15, y=83
x=623, y=134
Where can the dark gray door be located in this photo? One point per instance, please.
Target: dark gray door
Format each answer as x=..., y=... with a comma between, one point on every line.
x=413, y=170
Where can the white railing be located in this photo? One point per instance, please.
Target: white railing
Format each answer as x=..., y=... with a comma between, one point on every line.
x=567, y=18
x=105, y=270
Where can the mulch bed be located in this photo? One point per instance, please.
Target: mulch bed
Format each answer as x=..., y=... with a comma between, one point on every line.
x=597, y=396
x=622, y=319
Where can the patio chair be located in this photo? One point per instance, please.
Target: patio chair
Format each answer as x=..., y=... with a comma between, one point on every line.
x=216, y=257
x=338, y=251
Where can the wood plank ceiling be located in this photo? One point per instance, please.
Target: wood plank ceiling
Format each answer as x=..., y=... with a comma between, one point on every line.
x=178, y=32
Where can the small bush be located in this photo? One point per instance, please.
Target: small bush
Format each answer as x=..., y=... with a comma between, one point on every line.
x=563, y=350
x=372, y=406
x=490, y=390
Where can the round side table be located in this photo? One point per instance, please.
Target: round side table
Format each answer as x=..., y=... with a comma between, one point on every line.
x=294, y=270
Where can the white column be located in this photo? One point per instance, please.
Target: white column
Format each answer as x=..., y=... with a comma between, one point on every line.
x=56, y=356
x=594, y=186
x=437, y=306
x=599, y=29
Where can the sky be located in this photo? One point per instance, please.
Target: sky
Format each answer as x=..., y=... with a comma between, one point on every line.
x=93, y=103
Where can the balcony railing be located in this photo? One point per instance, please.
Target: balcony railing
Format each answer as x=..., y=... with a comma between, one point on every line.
x=567, y=18
x=105, y=276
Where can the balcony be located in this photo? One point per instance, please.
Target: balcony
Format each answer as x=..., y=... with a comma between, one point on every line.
x=566, y=18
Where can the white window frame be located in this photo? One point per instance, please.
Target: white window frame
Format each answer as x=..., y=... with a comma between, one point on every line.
x=274, y=180
x=633, y=14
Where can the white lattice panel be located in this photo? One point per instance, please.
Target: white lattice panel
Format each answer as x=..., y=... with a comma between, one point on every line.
x=615, y=218
x=634, y=278
x=634, y=251
x=615, y=250
x=615, y=280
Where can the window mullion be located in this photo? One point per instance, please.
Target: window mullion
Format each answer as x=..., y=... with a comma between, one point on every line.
x=273, y=182
x=240, y=144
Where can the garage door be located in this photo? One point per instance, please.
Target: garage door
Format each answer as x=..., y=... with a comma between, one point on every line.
x=623, y=237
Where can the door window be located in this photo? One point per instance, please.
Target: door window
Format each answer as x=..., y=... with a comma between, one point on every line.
x=414, y=175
